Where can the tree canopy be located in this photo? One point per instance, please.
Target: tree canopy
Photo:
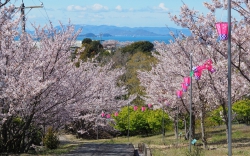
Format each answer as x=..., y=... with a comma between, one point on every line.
x=140, y=46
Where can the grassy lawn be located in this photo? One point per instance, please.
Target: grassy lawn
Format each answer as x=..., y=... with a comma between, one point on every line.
x=217, y=143
x=216, y=136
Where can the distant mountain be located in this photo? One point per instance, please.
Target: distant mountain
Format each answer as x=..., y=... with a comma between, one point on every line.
x=89, y=35
x=128, y=31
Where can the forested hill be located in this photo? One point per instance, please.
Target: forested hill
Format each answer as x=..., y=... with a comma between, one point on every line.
x=128, y=31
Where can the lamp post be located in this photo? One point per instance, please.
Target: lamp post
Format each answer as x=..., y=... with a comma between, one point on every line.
x=225, y=34
x=229, y=81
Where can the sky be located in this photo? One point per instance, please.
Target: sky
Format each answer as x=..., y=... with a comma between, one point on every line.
x=129, y=13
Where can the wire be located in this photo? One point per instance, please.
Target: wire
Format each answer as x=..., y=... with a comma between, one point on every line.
x=45, y=12
x=46, y=17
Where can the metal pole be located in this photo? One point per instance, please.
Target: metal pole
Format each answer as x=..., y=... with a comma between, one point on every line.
x=22, y=8
x=229, y=82
x=177, y=125
x=23, y=17
x=190, y=111
x=128, y=122
x=163, y=129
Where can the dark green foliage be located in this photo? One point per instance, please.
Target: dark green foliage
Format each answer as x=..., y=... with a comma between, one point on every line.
x=77, y=64
x=141, y=123
x=91, y=49
x=86, y=40
x=140, y=46
x=51, y=139
x=17, y=134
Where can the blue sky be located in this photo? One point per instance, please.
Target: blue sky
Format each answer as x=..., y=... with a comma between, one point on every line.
x=131, y=13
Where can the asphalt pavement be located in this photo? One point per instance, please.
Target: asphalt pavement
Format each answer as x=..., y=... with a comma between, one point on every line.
x=100, y=149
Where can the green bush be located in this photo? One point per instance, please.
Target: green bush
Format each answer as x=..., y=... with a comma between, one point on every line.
x=139, y=46
x=141, y=123
x=51, y=139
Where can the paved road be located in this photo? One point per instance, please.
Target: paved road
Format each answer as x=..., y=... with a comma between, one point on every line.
x=95, y=149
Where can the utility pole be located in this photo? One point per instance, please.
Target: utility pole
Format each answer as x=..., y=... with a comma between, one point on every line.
x=22, y=7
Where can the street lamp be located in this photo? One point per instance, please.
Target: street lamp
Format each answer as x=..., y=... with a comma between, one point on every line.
x=228, y=37
x=229, y=81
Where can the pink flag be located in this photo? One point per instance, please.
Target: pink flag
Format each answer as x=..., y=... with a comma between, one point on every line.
x=222, y=29
x=179, y=93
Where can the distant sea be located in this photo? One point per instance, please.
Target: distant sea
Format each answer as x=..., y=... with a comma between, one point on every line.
x=131, y=38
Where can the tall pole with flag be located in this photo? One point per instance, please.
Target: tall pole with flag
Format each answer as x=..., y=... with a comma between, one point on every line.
x=229, y=82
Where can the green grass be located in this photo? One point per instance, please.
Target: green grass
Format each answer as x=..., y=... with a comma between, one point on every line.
x=217, y=142
x=168, y=146
x=60, y=150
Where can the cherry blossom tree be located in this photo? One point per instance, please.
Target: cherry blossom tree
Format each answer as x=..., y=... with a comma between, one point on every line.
x=102, y=96
x=174, y=64
x=211, y=91
x=163, y=81
x=203, y=30
x=109, y=44
x=41, y=86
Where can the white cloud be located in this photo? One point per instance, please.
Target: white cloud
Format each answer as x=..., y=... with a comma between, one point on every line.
x=118, y=7
x=162, y=6
x=95, y=7
x=70, y=7
x=80, y=8
x=76, y=8
x=99, y=7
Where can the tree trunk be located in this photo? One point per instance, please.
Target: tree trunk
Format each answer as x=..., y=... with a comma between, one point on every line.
x=193, y=127
x=225, y=118
x=186, y=129
x=176, y=127
x=203, y=135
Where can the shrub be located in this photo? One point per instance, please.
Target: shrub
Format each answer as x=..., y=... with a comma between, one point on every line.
x=196, y=151
x=51, y=139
